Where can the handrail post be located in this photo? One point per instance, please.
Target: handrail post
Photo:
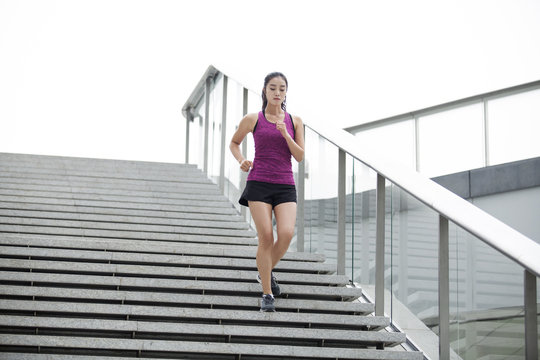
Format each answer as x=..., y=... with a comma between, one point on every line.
x=206, y=122
x=189, y=118
x=379, y=246
x=300, y=217
x=444, y=291
x=342, y=173
x=243, y=175
x=223, y=136
x=531, y=319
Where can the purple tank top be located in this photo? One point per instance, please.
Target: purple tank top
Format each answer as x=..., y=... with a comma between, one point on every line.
x=272, y=161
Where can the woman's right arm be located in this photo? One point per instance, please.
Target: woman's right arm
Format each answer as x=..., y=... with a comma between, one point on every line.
x=246, y=126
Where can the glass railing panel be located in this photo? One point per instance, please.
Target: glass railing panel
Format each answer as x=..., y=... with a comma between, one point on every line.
x=513, y=127
x=214, y=131
x=234, y=115
x=451, y=141
x=411, y=256
x=486, y=300
x=196, y=141
x=321, y=186
x=360, y=227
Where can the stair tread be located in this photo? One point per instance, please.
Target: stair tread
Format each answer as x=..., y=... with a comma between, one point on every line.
x=121, y=219
x=206, y=347
x=119, y=245
x=119, y=199
x=12, y=177
x=204, y=314
x=168, y=271
x=207, y=229
x=104, y=211
x=188, y=237
x=170, y=259
x=173, y=299
x=178, y=284
x=383, y=337
x=185, y=207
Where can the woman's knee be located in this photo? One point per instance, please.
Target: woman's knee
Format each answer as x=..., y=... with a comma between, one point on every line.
x=266, y=239
x=285, y=234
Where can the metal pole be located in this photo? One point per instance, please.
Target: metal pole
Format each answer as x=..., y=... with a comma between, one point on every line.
x=189, y=118
x=417, y=142
x=223, y=136
x=486, y=133
x=379, y=247
x=341, y=212
x=206, y=122
x=531, y=319
x=300, y=211
x=444, y=291
x=243, y=175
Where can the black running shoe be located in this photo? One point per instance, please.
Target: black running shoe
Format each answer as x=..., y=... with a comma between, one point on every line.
x=267, y=303
x=276, y=291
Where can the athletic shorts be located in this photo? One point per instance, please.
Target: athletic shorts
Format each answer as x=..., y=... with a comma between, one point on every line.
x=273, y=194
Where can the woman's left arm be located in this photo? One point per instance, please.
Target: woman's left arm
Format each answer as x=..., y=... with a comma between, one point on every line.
x=296, y=145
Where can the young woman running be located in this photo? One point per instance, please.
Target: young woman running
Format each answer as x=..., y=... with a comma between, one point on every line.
x=270, y=183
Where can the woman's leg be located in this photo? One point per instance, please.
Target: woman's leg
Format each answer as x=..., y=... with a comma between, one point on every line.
x=285, y=220
x=262, y=216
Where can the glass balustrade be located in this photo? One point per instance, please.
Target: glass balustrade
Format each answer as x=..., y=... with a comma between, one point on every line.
x=487, y=300
x=320, y=205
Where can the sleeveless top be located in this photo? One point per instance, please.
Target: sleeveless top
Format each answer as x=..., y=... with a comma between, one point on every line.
x=272, y=161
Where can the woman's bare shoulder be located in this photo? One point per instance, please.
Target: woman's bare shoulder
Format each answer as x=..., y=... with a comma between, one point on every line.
x=251, y=116
x=296, y=119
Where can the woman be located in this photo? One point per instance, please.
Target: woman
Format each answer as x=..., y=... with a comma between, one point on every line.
x=270, y=183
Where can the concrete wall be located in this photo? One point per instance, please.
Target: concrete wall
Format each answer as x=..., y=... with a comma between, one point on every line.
x=510, y=192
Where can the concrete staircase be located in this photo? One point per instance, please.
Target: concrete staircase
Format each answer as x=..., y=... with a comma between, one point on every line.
x=103, y=259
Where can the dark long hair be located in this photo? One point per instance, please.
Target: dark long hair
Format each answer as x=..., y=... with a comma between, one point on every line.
x=266, y=80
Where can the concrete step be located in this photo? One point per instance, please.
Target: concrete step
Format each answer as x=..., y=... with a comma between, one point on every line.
x=22, y=356
x=177, y=285
x=198, y=209
x=183, y=235
x=134, y=220
x=219, y=259
x=110, y=172
x=191, y=315
x=63, y=233
x=74, y=189
x=168, y=299
x=75, y=267
x=239, y=249
x=39, y=161
x=135, y=198
x=142, y=329
x=144, y=347
x=178, y=177
x=91, y=167
x=43, y=160
x=11, y=177
x=131, y=213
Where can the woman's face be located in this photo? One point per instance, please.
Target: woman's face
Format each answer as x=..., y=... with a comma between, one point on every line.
x=275, y=90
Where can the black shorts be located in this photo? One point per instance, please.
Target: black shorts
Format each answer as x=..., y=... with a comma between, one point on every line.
x=273, y=194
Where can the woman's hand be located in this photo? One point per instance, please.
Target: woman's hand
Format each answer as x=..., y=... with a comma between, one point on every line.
x=280, y=125
x=245, y=165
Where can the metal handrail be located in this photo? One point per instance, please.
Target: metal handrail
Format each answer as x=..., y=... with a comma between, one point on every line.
x=448, y=205
x=533, y=85
x=489, y=229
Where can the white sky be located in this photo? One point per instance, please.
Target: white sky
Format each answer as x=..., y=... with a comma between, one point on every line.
x=108, y=79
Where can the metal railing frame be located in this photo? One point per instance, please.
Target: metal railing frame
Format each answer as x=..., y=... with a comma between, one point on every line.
x=449, y=207
x=415, y=115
